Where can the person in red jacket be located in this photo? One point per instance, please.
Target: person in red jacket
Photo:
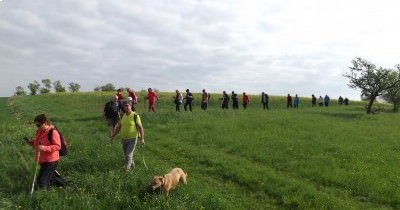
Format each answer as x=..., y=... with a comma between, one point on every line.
x=246, y=100
x=152, y=97
x=46, y=153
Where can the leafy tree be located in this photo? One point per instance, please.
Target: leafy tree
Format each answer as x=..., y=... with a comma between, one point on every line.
x=371, y=80
x=392, y=95
x=58, y=87
x=47, y=86
x=108, y=87
x=74, y=87
x=97, y=89
x=19, y=91
x=34, y=87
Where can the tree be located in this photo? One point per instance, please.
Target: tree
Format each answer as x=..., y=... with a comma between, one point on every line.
x=108, y=87
x=58, y=87
x=74, y=87
x=34, y=87
x=392, y=95
x=371, y=80
x=47, y=86
x=19, y=91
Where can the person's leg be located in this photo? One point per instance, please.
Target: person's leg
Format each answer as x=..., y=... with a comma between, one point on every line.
x=128, y=146
x=57, y=180
x=185, y=106
x=45, y=174
x=190, y=106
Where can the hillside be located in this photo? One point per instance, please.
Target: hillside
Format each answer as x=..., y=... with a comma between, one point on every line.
x=333, y=157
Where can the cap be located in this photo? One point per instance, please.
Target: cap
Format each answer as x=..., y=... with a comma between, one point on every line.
x=129, y=98
x=126, y=103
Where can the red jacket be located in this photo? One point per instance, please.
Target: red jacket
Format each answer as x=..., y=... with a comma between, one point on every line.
x=50, y=151
x=152, y=96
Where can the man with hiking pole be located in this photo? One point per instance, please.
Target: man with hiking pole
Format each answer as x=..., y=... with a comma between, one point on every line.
x=46, y=154
x=131, y=129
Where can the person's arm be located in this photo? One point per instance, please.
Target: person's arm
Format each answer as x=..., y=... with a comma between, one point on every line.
x=141, y=133
x=55, y=143
x=117, y=130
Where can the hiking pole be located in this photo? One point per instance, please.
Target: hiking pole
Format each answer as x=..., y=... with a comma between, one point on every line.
x=144, y=162
x=36, y=169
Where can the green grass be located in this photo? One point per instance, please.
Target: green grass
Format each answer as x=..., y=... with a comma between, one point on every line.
x=311, y=158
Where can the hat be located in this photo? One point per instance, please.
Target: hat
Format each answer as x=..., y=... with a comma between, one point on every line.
x=126, y=103
x=129, y=98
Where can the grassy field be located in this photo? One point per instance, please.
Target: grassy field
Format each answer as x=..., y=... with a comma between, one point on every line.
x=312, y=158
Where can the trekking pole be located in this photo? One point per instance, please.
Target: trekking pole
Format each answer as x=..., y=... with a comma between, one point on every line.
x=144, y=162
x=36, y=169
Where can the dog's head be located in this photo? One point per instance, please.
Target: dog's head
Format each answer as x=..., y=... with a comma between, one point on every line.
x=157, y=182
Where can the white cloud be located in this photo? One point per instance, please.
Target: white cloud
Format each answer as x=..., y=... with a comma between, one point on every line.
x=276, y=46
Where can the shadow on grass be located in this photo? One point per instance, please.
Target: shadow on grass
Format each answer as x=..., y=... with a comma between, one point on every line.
x=343, y=115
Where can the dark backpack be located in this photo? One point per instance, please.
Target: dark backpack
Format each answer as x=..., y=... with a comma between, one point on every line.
x=64, y=147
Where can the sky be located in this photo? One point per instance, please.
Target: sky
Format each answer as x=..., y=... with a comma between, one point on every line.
x=276, y=46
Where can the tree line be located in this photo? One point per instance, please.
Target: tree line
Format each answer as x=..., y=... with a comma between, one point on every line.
x=45, y=87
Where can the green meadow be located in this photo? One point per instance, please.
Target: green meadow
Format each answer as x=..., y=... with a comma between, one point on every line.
x=333, y=157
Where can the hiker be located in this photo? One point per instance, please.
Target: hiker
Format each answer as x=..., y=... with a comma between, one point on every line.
x=189, y=99
x=111, y=114
x=152, y=97
x=130, y=129
x=340, y=100
x=289, y=101
x=320, y=101
x=132, y=94
x=120, y=97
x=346, y=101
x=225, y=100
x=327, y=100
x=265, y=100
x=235, y=100
x=296, y=102
x=204, y=100
x=130, y=101
x=245, y=100
x=178, y=100
x=313, y=100
x=47, y=153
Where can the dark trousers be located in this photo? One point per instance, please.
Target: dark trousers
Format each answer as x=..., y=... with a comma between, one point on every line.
x=235, y=105
x=204, y=105
x=178, y=106
x=49, y=176
x=186, y=104
x=265, y=105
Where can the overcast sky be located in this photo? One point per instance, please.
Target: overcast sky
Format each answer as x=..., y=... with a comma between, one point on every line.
x=276, y=46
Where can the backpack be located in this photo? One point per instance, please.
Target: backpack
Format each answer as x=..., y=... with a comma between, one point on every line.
x=64, y=147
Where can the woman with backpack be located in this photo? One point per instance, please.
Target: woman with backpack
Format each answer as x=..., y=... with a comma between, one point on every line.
x=47, y=153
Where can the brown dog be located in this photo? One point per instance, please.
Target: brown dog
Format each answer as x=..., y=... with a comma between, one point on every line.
x=169, y=181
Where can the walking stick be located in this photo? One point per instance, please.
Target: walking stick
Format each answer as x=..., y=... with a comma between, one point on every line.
x=144, y=162
x=34, y=177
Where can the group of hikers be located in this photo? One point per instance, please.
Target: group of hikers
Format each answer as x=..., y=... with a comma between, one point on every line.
x=123, y=120
x=187, y=100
